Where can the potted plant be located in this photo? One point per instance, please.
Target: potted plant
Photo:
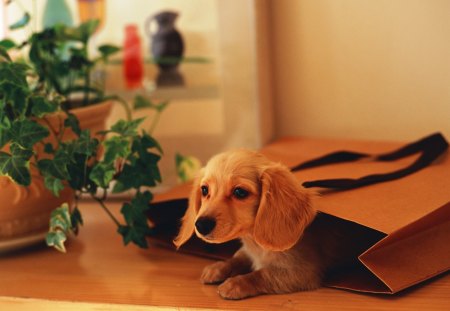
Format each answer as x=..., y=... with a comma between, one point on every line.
x=60, y=56
x=47, y=147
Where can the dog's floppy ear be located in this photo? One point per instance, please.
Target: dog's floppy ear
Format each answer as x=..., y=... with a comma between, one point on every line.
x=188, y=221
x=284, y=211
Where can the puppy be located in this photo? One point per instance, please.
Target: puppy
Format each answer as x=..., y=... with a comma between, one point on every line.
x=241, y=194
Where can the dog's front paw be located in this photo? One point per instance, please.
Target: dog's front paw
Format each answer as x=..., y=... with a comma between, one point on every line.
x=236, y=288
x=216, y=273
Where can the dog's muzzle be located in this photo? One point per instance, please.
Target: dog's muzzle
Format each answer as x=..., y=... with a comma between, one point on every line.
x=205, y=225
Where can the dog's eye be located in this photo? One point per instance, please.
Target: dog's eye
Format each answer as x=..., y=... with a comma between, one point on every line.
x=204, y=190
x=240, y=193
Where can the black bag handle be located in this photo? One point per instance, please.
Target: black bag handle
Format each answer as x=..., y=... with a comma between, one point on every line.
x=430, y=147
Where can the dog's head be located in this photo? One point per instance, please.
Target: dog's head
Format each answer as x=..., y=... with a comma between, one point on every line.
x=243, y=194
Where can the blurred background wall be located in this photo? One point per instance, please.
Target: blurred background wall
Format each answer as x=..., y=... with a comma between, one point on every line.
x=361, y=68
x=335, y=68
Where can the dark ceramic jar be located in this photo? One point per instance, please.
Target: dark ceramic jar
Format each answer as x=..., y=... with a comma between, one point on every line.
x=166, y=43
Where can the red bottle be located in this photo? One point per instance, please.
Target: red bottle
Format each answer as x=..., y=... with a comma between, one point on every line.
x=133, y=67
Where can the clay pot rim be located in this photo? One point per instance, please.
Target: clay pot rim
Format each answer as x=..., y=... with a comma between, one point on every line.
x=85, y=115
x=80, y=112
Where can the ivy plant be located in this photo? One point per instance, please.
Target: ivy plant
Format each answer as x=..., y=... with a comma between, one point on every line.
x=129, y=162
x=61, y=58
x=57, y=78
x=63, y=65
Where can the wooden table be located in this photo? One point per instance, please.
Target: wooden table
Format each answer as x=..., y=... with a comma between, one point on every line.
x=98, y=273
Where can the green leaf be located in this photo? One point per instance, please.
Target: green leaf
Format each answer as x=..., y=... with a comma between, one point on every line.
x=169, y=60
x=127, y=180
x=137, y=174
x=162, y=106
x=107, y=50
x=4, y=53
x=79, y=171
x=48, y=148
x=148, y=142
x=60, y=226
x=53, y=184
x=73, y=123
x=88, y=28
x=42, y=106
x=19, y=96
x=56, y=167
x=132, y=234
x=186, y=166
x=141, y=102
x=78, y=60
x=141, y=202
x=61, y=213
x=27, y=132
x=18, y=171
x=7, y=44
x=56, y=239
x=14, y=74
x=134, y=212
x=135, y=216
x=20, y=153
x=5, y=135
x=35, y=53
x=16, y=165
x=59, y=221
x=21, y=22
x=127, y=128
x=85, y=144
x=61, y=33
x=142, y=144
x=141, y=168
x=116, y=147
x=102, y=174
x=76, y=219
x=14, y=86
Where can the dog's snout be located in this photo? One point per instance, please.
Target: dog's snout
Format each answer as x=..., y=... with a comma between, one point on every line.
x=205, y=225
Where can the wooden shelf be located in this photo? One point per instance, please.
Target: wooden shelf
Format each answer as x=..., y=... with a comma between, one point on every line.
x=199, y=81
x=99, y=273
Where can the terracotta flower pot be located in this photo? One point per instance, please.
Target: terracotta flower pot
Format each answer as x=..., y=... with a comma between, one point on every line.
x=25, y=211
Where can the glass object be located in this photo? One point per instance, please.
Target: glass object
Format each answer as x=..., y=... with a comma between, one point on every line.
x=133, y=67
x=92, y=9
x=56, y=12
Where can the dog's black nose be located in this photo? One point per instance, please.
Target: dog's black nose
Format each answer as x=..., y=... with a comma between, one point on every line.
x=205, y=225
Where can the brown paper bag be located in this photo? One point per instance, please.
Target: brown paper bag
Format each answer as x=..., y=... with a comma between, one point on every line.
x=400, y=198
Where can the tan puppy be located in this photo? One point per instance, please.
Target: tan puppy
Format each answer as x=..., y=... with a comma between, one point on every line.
x=241, y=194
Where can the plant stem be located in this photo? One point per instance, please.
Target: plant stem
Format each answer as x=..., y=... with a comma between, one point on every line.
x=100, y=201
x=62, y=129
x=85, y=170
x=52, y=129
x=124, y=105
x=154, y=122
x=87, y=79
x=87, y=75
